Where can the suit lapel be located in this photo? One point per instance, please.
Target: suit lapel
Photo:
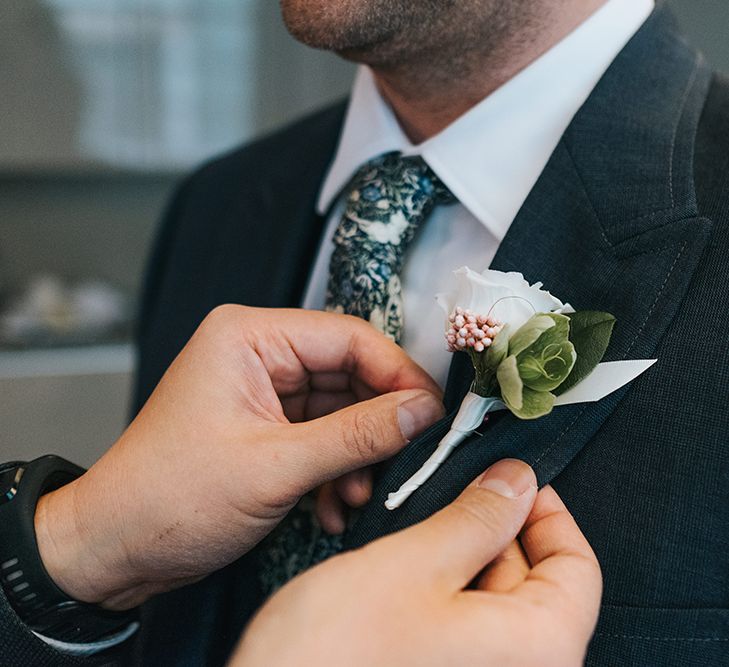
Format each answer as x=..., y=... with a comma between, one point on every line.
x=612, y=224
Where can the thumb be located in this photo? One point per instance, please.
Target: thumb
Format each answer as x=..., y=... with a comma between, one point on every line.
x=455, y=544
x=360, y=435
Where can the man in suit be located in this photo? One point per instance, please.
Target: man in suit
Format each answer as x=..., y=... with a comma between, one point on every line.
x=585, y=145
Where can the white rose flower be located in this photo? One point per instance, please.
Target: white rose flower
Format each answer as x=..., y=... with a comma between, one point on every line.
x=507, y=297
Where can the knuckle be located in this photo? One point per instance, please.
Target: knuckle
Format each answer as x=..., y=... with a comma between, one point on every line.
x=224, y=319
x=216, y=317
x=362, y=435
x=360, y=325
x=364, y=332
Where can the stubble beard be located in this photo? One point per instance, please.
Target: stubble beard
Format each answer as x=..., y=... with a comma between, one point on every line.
x=379, y=33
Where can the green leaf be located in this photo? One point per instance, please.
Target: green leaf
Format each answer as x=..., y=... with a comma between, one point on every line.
x=562, y=324
x=498, y=349
x=535, y=404
x=529, y=332
x=510, y=383
x=590, y=333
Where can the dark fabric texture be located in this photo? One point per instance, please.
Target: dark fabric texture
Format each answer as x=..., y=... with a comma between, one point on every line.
x=631, y=215
x=19, y=647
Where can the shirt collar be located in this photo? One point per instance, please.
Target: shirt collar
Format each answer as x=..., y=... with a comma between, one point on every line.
x=491, y=156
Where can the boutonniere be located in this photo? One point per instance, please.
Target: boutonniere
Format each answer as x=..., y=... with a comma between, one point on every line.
x=530, y=353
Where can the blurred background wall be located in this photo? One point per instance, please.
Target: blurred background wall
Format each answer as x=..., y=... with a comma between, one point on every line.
x=104, y=104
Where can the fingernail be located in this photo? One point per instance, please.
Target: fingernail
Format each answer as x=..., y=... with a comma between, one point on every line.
x=417, y=413
x=509, y=478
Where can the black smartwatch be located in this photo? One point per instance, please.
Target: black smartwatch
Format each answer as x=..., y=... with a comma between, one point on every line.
x=53, y=616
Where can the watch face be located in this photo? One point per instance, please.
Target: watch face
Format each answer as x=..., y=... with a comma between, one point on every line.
x=9, y=480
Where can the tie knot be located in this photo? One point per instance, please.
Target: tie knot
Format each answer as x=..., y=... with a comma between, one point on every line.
x=394, y=180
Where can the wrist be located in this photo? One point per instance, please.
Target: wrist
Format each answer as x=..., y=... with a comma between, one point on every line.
x=83, y=554
x=63, y=547
x=59, y=619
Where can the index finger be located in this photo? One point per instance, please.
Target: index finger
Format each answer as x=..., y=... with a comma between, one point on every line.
x=329, y=343
x=565, y=574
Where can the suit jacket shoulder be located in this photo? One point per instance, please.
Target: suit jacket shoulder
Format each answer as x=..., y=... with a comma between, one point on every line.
x=711, y=167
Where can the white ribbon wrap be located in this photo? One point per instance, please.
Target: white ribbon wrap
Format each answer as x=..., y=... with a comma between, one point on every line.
x=469, y=417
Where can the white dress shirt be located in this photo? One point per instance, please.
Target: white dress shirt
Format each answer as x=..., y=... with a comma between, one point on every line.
x=490, y=158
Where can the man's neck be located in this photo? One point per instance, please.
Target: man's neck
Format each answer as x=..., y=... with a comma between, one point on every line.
x=428, y=96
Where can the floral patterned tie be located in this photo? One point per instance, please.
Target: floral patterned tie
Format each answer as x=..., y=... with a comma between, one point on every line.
x=388, y=199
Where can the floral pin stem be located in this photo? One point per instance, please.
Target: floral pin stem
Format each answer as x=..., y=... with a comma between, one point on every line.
x=476, y=335
x=469, y=417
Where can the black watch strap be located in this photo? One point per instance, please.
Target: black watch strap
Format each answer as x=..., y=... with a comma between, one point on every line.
x=42, y=606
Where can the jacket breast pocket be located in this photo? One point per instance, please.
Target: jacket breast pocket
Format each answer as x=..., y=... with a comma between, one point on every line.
x=649, y=637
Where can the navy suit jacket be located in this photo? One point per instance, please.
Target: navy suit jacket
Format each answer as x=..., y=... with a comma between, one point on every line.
x=630, y=216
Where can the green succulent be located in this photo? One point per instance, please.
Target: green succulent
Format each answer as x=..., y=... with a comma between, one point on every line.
x=546, y=356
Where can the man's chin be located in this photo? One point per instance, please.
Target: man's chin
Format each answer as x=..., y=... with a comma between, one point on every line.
x=370, y=51
x=360, y=38
x=373, y=54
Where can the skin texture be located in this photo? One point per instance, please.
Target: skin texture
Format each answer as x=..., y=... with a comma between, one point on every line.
x=229, y=441
x=435, y=59
x=456, y=589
